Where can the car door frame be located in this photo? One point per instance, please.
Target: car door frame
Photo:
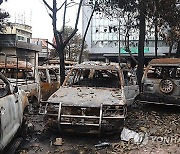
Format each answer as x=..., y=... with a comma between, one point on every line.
x=131, y=88
x=10, y=114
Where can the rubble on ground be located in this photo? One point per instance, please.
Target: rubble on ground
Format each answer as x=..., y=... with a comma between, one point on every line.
x=158, y=123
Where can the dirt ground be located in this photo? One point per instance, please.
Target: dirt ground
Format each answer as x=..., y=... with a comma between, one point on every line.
x=161, y=124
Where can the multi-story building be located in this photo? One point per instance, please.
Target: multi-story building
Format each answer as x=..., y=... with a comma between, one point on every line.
x=15, y=42
x=106, y=37
x=44, y=54
x=21, y=36
x=23, y=32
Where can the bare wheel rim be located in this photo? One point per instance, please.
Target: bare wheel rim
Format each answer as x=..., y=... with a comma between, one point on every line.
x=166, y=86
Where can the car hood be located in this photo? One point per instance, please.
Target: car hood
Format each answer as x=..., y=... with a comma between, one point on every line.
x=87, y=97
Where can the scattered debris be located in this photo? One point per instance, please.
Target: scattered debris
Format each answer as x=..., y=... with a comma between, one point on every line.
x=138, y=138
x=102, y=145
x=161, y=124
x=30, y=127
x=58, y=141
x=23, y=152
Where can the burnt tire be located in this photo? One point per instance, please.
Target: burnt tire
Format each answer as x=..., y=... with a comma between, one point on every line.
x=166, y=86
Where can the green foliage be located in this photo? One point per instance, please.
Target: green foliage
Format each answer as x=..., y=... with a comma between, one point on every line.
x=165, y=13
x=73, y=47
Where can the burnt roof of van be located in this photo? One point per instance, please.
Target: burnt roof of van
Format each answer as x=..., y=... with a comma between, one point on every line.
x=167, y=61
x=97, y=66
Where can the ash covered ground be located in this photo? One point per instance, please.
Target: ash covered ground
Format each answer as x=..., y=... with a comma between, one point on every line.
x=160, y=124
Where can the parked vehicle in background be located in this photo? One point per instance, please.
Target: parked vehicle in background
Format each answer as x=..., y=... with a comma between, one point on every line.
x=22, y=74
x=92, y=99
x=49, y=81
x=161, y=82
x=13, y=102
x=55, y=65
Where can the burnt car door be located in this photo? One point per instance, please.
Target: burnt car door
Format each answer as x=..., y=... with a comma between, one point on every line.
x=11, y=111
x=54, y=82
x=44, y=83
x=49, y=82
x=130, y=86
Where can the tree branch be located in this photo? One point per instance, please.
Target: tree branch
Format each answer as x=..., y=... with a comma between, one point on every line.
x=64, y=17
x=68, y=39
x=85, y=33
x=61, y=5
x=51, y=44
x=131, y=55
x=51, y=16
x=73, y=3
x=78, y=14
x=48, y=6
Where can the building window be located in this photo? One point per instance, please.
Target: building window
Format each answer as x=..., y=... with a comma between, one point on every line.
x=20, y=38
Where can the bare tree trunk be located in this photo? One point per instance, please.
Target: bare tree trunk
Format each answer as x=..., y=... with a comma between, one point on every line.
x=170, y=50
x=128, y=49
x=60, y=43
x=142, y=28
x=156, y=38
x=62, y=65
x=85, y=33
x=178, y=50
x=59, y=48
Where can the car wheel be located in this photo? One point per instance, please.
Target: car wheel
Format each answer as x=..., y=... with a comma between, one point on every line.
x=166, y=86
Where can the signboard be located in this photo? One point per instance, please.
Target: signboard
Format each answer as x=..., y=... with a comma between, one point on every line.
x=134, y=50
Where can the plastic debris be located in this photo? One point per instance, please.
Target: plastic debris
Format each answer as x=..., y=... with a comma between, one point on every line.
x=138, y=138
x=58, y=141
x=102, y=145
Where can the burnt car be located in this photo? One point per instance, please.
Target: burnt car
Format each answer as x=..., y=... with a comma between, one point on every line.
x=161, y=82
x=49, y=81
x=23, y=74
x=13, y=102
x=91, y=100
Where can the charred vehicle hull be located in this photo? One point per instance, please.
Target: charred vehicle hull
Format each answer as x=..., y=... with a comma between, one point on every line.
x=22, y=73
x=13, y=101
x=92, y=99
x=49, y=81
x=161, y=82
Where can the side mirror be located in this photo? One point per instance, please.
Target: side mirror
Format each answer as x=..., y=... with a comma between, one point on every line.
x=129, y=74
x=15, y=89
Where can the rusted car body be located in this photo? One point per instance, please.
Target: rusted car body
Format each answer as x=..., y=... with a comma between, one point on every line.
x=23, y=75
x=56, y=68
x=49, y=81
x=161, y=82
x=12, y=104
x=91, y=100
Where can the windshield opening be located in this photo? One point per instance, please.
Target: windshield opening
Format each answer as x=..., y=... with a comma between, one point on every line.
x=94, y=78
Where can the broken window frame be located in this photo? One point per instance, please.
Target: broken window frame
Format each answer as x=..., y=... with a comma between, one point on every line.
x=156, y=72
x=77, y=76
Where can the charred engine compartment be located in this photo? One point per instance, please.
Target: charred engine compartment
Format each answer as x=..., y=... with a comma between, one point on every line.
x=94, y=120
